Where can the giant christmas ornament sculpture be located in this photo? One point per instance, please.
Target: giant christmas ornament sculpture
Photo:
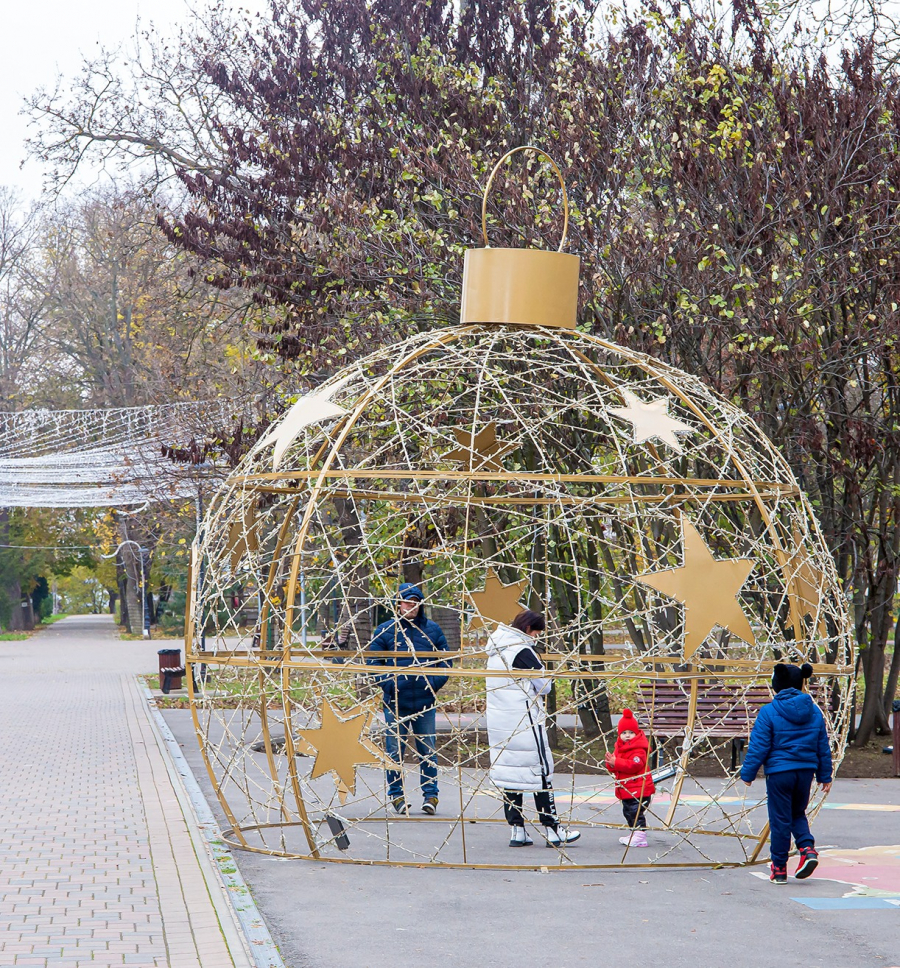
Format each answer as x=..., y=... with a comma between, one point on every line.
x=510, y=461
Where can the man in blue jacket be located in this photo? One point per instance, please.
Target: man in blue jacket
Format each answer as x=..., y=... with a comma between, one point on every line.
x=789, y=738
x=409, y=699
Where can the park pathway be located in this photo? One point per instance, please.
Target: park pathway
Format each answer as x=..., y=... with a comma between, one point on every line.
x=97, y=862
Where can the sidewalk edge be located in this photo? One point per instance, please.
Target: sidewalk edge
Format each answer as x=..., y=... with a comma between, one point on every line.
x=249, y=930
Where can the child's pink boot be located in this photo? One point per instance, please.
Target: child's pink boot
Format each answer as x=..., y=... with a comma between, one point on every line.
x=636, y=839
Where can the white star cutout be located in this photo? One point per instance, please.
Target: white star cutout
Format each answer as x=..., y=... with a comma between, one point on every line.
x=309, y=409
x=651, y=419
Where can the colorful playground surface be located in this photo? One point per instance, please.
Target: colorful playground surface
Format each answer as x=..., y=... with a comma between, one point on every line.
x=873, y=873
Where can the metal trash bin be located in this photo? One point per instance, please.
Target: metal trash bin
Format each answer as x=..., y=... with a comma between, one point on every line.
x=169, y=659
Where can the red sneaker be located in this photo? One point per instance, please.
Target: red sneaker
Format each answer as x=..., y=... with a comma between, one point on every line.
x=778, y=875
x=809, y=861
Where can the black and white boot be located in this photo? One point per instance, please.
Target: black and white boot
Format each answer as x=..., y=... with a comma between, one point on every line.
x=560, y=836
x=519, y=838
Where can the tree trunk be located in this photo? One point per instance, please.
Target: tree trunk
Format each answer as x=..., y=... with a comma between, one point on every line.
x=355, y=623
x=449, y=621
x=10, y=593
x=14, y=593
x=873, y=717
x=134, y=614
x=136, y=553
x=552, y=728
x=597, y=698
x=27, y=609
x=413, y=572
x=590, y=695
x=121, y=581
x=890, y=690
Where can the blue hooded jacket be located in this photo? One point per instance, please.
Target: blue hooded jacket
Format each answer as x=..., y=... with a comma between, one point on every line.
x=789, y=734
x=409, y=694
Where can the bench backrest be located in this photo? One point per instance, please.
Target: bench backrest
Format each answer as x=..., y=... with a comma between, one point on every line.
x=722, y=710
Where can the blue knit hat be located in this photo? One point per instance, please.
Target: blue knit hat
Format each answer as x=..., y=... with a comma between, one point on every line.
x=410, y=592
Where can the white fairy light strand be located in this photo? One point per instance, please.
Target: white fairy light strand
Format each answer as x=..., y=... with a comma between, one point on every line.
x=100, y=458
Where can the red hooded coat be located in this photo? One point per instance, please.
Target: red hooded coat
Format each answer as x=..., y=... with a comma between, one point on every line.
x=628, y=762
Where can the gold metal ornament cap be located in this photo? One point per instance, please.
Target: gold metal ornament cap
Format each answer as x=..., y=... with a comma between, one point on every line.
x=524, y=287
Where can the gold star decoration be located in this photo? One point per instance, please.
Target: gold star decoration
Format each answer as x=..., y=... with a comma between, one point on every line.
x=707, y=588
x=340, y=746
x=497, y=603
x=479, y=451
x=309, y=409
x=303, y=747
x=651, y=420
x=804, y=580
x=242, y=536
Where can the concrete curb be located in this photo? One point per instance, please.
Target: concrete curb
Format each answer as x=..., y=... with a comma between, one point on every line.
x=243, y=927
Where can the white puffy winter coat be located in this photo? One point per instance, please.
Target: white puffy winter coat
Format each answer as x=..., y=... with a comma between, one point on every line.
x=520, y=753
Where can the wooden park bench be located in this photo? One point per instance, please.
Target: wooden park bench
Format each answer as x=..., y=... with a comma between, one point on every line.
x=723, y=711
x=170, y=678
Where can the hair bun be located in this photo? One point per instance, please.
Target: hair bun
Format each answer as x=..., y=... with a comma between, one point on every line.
x=806, y=670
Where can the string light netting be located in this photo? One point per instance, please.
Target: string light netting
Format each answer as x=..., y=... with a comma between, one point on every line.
x=98, y=458
x=502, y=467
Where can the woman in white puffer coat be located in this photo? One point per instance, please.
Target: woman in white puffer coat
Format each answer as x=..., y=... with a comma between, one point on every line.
x=521, y=760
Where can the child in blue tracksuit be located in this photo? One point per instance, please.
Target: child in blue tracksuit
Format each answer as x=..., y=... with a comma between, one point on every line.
x=789, y=738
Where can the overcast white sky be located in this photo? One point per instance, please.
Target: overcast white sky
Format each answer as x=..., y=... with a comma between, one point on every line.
x=42, y=38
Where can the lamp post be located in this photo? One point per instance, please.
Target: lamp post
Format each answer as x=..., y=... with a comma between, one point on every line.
x=200, y=577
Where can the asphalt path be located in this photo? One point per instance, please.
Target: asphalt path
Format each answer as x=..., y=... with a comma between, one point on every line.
x=338, y=915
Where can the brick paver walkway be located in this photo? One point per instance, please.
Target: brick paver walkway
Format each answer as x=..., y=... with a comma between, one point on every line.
x=97, y=866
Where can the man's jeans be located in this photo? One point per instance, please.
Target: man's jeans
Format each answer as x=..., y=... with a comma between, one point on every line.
x=422, y=727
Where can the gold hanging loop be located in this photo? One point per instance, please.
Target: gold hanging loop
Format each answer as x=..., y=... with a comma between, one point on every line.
x=520, y=287
x=490, y=181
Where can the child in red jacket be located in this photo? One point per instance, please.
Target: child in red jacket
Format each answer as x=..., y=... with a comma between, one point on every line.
x=634, y=785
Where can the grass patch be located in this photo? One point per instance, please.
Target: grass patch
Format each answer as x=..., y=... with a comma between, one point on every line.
x=53, y=619
x=129, y=636
x=13, y=636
